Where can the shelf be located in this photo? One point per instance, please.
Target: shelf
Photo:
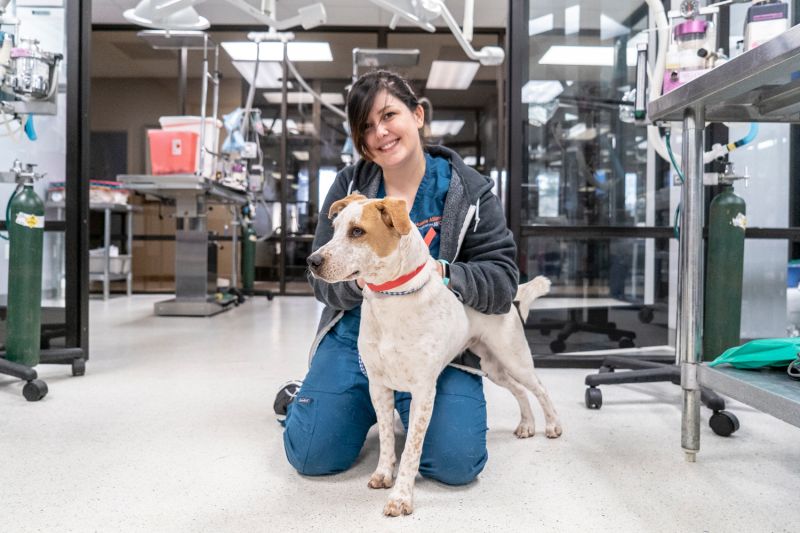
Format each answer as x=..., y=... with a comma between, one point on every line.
x=770, y=390
x=753, y=87
x=173, y=185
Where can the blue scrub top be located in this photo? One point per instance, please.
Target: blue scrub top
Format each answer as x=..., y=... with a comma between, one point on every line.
x=426, y=213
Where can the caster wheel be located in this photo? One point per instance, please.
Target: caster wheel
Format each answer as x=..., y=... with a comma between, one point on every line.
x=34, y=390
x=240, y=299
x=270, y=297
x=78, y=367
x=723, y=423
x=645, y=315
x=626, y=343
x=593, y=398
x=605, y=370
x=558, y=346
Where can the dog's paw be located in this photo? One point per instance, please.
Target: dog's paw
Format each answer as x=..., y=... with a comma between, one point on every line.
x=542, y=284
x=553, y=431
x=525, y=430
x=397, y=506
x=381, y=480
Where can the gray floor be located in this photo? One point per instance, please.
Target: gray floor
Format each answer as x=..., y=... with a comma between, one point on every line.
x=171, y=429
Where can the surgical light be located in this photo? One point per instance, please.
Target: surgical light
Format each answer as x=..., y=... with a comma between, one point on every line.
x=173, y=15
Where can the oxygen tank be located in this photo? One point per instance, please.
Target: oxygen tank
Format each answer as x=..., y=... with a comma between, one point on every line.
x=722, y=314
x=248, y=257
x=26, y=233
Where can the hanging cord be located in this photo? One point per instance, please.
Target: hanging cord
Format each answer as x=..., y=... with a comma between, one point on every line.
x=672, y=157
x=676, y=230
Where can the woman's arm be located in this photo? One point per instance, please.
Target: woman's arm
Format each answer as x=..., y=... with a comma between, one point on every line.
x=346, y=294
x=485, y=274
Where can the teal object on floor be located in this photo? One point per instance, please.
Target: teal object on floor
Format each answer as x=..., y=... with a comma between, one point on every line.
x=761, y=353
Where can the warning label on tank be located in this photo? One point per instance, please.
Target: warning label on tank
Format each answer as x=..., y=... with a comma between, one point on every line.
x=30, y=221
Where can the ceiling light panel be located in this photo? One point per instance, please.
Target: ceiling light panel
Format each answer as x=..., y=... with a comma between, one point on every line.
x=304, y=98
x=596, y=56
x=440, y=128
x=453, y=75
x=269, y=74
x=273, y=51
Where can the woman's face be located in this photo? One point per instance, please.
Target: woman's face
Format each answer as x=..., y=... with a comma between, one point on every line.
x=392, y=131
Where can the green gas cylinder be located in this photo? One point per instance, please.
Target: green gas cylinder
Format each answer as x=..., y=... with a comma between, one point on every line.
x=722, y=312
x=26, y=233
x=248, y=256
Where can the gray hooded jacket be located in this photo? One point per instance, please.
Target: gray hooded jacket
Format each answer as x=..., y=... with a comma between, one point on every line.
x=474, y=239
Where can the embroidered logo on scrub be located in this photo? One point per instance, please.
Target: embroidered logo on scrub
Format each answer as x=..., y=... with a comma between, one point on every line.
x=304, y=400
x=29, y=221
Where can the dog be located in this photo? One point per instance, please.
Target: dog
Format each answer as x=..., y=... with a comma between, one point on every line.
x=376, y=240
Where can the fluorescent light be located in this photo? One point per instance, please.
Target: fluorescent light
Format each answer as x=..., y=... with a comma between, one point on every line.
x=454, y=75
x=595, y=56
x=269, y=74
x=540, y=25
x=541, y=92
x=572, y=20
x=273, y=51
x=277, y=126
x=440, y=128
x=570, y=116
x=301, y=155
x=304, y=98
x=472, y=160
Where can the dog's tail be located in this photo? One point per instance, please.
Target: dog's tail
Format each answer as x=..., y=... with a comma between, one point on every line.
x=528, y=292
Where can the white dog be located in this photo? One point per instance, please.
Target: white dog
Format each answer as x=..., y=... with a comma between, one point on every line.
x=376, y=240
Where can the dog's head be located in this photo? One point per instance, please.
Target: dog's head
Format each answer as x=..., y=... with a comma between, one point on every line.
x=367, y=240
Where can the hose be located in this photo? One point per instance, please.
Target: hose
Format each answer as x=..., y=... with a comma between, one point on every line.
x=313, y=93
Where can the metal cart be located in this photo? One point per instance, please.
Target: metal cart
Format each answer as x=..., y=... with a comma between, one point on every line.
x=756, y=86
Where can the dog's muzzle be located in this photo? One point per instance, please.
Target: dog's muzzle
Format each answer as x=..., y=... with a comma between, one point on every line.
x=315, y=261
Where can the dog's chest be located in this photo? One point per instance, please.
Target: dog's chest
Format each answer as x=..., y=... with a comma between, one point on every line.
x=408, y=340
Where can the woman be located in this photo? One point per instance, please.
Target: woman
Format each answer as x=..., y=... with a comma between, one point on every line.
x=328, y=420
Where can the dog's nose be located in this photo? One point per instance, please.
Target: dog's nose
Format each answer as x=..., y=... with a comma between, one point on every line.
x=315, y=261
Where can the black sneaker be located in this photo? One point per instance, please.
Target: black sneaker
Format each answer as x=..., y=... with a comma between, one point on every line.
x=284, y=397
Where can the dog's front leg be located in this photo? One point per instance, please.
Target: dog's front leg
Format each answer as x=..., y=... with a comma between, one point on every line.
x=401, y=497
x=383, y=402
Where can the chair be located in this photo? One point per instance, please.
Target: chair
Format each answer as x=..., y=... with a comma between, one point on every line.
x=596, y=322
x=723, y=423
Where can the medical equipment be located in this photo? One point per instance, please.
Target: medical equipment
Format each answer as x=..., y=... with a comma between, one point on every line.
x=765, y=19
x=28, y=78
x=722, y=302
x=25, y=224
x=424, y=12
x=181, y=15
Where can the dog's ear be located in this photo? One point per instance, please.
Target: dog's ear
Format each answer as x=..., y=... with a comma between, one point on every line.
x=394, y=213
x=338, y=205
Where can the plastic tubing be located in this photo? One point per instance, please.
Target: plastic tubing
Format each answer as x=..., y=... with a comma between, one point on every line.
x=751, y=135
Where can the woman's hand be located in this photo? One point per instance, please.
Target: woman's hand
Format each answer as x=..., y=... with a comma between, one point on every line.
x=440, y=269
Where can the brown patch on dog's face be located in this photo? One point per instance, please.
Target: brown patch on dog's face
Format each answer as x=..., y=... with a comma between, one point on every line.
x=383, y=223
x=338, y=205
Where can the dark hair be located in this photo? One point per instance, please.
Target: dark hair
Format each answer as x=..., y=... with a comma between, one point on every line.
x=362, y=96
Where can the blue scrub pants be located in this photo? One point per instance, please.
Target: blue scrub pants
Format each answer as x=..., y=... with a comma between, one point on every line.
x=327, y=422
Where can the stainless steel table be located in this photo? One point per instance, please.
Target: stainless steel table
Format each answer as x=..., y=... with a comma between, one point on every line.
x=195, y=288
x=756, y=86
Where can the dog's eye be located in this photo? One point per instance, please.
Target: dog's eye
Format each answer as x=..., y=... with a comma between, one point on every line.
x=356, y=232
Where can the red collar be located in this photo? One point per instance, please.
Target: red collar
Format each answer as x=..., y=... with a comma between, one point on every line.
x=405, y=277
x=397, y=282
